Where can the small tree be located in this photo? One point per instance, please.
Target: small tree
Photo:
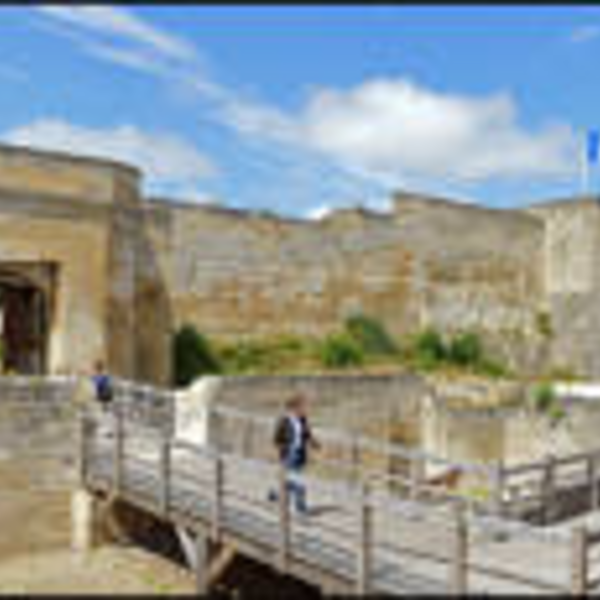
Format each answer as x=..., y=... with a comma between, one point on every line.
x=192, y=356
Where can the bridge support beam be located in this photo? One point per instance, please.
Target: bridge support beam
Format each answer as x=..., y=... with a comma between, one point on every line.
x=85, y=532
x=202, y=560
x=207, y=558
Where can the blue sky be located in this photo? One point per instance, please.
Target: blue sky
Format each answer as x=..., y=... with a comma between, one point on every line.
x=301, y=109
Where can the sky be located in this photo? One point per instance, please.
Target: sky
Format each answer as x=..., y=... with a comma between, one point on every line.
x=303, y=109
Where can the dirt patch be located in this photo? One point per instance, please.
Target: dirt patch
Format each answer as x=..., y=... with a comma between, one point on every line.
x=107, y=570
x=33, y=516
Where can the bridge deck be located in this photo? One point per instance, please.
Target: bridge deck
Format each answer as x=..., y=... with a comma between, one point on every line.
x=352, y=539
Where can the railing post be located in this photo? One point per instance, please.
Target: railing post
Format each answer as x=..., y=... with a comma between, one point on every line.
x=84, y=434
x=497, y=484
x=593, y=480
x=364, y=542
x=417, y=474
x=355, y=458
x=219, y=479
x=548, y=492
x=579, y=561
x=284, y=519
x=246, y=437
x=119, y=447
x=165, y=474
x=459, y=561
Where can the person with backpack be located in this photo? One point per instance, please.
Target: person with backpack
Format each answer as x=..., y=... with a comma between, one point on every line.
x=102, y=385
x=293, y=438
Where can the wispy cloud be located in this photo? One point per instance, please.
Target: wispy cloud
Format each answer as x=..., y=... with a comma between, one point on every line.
x=585, y=33
x=170, y=162
x=117, y=22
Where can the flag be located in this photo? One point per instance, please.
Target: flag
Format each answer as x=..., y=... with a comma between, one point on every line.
x=593, y=146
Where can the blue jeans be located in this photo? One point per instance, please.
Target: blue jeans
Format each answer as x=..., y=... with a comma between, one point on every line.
x=296, y=489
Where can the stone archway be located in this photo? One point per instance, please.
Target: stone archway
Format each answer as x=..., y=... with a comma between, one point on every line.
x=26, y=294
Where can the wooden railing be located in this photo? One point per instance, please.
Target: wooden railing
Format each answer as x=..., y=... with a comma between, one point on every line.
x=405, y=470
x=554, y=488
x=360, y=534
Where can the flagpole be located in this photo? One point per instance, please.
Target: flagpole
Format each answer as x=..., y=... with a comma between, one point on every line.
x=585, y=167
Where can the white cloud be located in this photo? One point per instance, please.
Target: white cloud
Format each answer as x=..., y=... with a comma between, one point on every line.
x=396, y=131
x=319, y=212
x=109, y=20
x=585, y=33
x=168, y=161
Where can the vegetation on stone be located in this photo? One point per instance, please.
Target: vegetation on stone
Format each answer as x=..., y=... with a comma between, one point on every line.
x=193, y=356
x=341, y=350
x=465, y=349
x=362, y=343
x=269, y=355
x=428, y=350
x=543, y=397
x=544, y=324
x=371, y=335
x=545, y=401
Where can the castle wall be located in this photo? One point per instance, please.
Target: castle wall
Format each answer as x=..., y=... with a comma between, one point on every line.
x=131, y=270
x=430, y=263
x=572, y=272
x=62, y=210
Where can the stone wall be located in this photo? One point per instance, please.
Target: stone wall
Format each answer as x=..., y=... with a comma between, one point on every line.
x=38, y=454
x=572, y=275
x=431, y=262
x=513, y=435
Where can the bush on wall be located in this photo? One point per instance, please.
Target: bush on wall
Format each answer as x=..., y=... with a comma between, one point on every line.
x=192, y=356
x=465, y=349
x=341, y=351
x=370, y=335
x=429, y=349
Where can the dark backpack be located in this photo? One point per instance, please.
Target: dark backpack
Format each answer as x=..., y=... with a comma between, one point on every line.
x=104, y=390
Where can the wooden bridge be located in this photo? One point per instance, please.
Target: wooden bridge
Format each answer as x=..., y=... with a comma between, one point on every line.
x=362, y=534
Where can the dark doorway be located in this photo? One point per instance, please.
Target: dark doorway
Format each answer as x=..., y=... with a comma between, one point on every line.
x=24, y=323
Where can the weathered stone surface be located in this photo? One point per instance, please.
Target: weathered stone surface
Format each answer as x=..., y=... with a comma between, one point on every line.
x=132, y=269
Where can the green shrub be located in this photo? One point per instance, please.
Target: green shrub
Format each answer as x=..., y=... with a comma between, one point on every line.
x=370, y=335
x=429, y=349
x=192, y=356
x=466, y=350
x=340, y=350
x=556, y=413
x=543, y=397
